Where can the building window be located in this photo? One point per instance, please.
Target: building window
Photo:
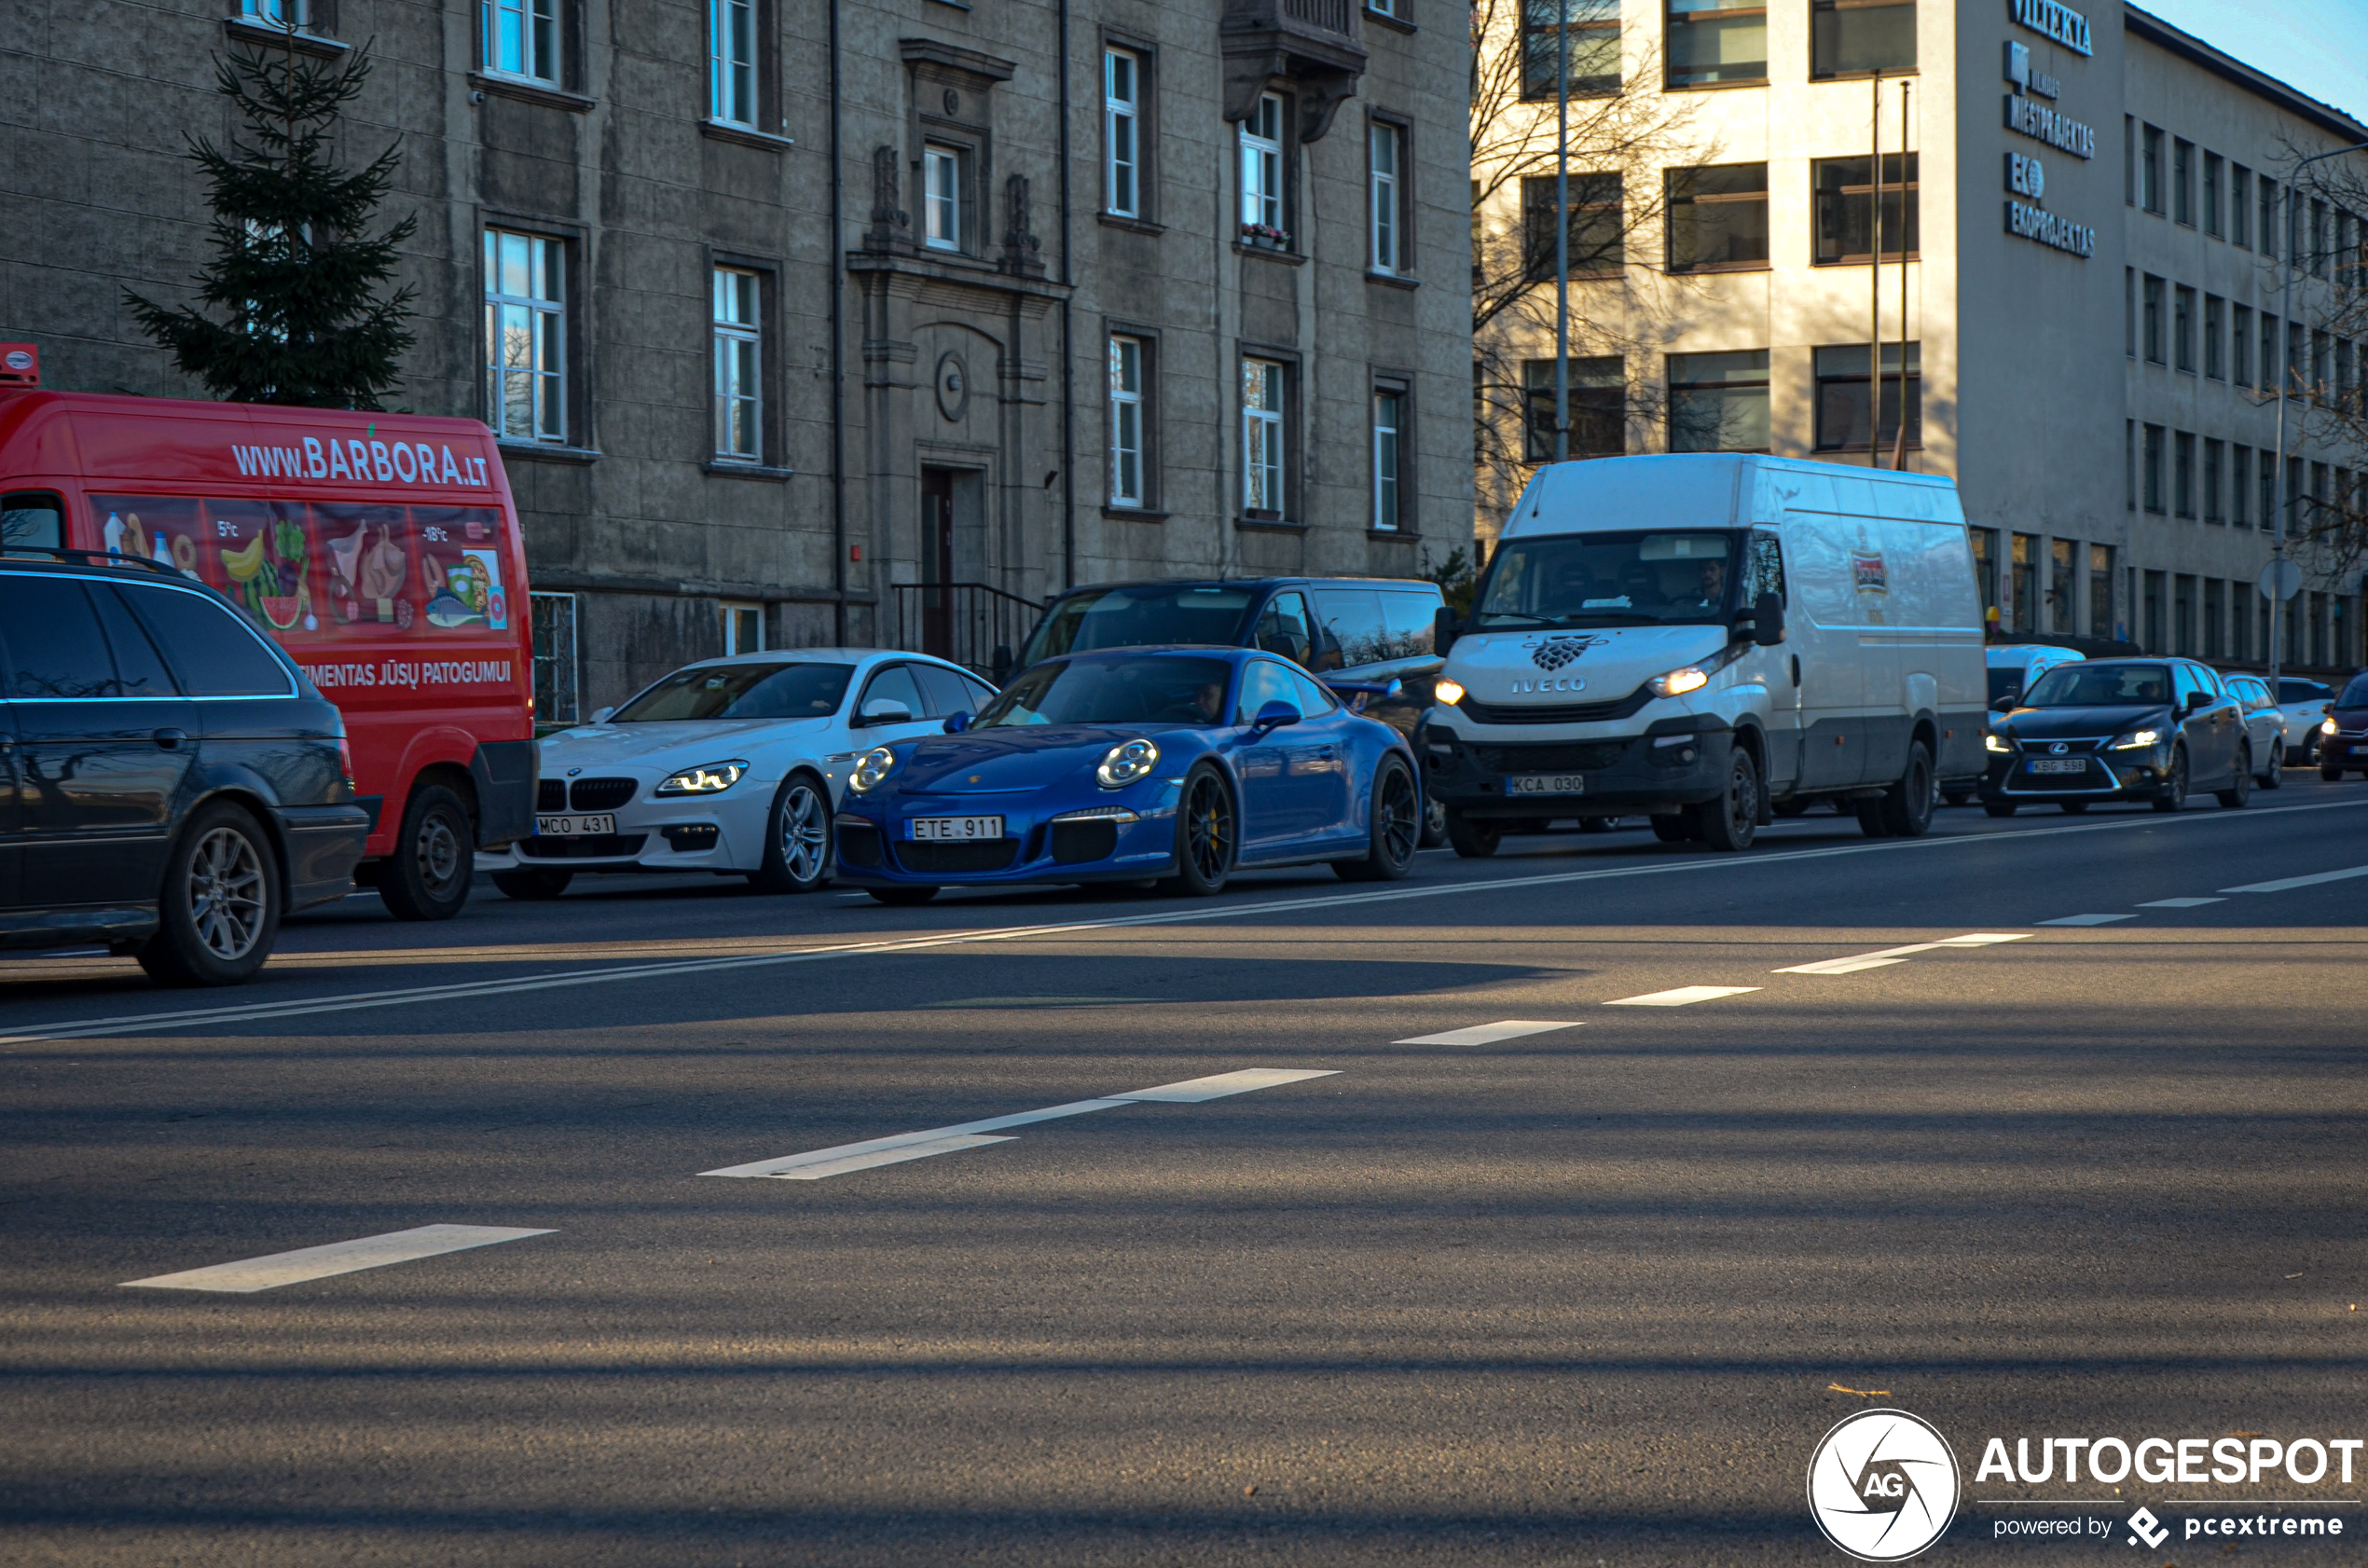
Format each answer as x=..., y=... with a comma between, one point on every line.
x=2321, y=244
x=1718, y=403
x=2322, y=367
x=2129, y=161
x=731, y=26
x=1594, y=42
x=1261, y=140
x=2153, y=319
x=2183, y=181
x=2150, y=169
x=2215, y=338
x=2129, y=311
x=522, y=38
x=1389, y=456
x=2297, y=367
x=739, y=398
x=2239, y=200
x=941, y=190
x=2214, y=453
x=1127, y=443
x=1716, y=42
x=2183, y=327
x=2267, y=472
x=2268, y=381
x=1845, y=208
x=288, y=16
x=2215, y=618
x=1122, y=133
x=2151, y=468
x=2100, y=591
x=1387, y=197
x=2182, y=474
x=1859, y=37
x=2025, y=570
x=2240, y=345
x=1598, y=407
x=2213, y=224
x=1984, y=543
x=743, y=627
x=553, y=618
x=2183, y=615
x=2129, y=465
x=2240, y=623
x=2240, y=486
x=526, y=336
x=1262, y=455
x=1719, y=218
x=2062, y=605
x=1598, y=228
x=2265, y=206
x=1843, y=398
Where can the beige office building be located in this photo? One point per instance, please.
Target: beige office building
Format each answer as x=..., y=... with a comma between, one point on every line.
x=2081, y=281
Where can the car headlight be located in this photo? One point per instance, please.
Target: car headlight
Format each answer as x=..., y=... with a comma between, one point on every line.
x=1995, y=743
x=871, y=769
x=1448, y=692
x=2331, y=728
x=2137, y=741
x=708, y=778
x=1127, y=762
x=1678, y=682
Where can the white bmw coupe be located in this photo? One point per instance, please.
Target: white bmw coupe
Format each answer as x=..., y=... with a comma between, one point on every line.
x=730, y=765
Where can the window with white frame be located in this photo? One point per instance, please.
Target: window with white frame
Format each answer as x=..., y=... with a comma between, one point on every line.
x=1261, y=140
x=942, y=197
x=522, y=38
x=739, y=397
x=1387, y=159
x=289, y=16
x=1122, y=133
x=731, y=62
x=743, y=627
x=1262, y=437
x=1389, y=429
x=526, y=336
x=1126, y=420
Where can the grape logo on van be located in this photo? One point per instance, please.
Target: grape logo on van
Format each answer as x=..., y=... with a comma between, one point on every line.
x=1553, y=652
x=411, y=463
x=1868, y=573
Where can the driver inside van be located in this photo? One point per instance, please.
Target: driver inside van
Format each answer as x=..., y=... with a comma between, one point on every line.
x=1712, y=582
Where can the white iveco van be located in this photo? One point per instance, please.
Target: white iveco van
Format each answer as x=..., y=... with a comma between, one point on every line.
x=1707, y=638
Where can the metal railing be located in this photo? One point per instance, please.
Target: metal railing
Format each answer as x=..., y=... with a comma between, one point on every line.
x=1331, y=14
x=965, y=622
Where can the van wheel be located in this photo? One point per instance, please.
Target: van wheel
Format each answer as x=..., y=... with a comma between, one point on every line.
x=1907, y=807
x=1676, y=828
x=797, y=844
x=1473, y=839
x=1955, y=797
x=1433, y=823
x=532, y=884
x=427, y=878
x=1791, y=805
x=218, y=912
x=1998, y=808
x=1732, y=821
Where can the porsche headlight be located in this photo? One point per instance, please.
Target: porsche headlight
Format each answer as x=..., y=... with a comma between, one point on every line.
x=1995, y=744
x=871, y=769
x=1127, y=762
x=2137, y=741
x=1678, y=682
x=1448, y=692
x=708, y=778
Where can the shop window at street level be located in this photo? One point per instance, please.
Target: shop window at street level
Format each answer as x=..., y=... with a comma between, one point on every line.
x=1859, y=37
x=1717, y=218
x=1716, y=42
x=1718, y=403
x=1845, y=208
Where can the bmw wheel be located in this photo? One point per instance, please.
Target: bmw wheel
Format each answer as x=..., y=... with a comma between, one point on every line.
x=797, y=839
x=218, y=912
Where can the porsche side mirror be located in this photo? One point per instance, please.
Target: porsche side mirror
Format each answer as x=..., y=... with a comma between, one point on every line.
x=957, y=724
x=1274, y=716
x=601, y=715
x=1445, y=629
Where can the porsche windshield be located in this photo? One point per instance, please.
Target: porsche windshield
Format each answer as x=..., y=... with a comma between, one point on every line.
x=2100, y=685
x=1153, y=689
x=1144, y=615
x=752, y=691
x=1609, y=579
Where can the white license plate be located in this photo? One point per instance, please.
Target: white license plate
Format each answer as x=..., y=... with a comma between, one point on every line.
x=601, y=823
x=1546, y=784
x=2059, y=765
x=943, y=829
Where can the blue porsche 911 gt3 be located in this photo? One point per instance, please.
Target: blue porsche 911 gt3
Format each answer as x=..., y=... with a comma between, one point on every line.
x=1131, y=764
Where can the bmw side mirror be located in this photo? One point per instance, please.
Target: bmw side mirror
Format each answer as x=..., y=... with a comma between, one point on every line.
x=1768, y=621
x=887, y=711
x=1273, y=716
x=957, y=724
x=601, y=715
x=1445, y=629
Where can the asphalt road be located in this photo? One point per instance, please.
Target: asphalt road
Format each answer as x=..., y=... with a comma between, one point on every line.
x=1577, y=1295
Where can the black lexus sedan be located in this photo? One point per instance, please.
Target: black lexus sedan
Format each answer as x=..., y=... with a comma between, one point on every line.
x=2119, y=730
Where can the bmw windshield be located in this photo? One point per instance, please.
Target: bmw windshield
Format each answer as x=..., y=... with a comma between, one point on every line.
x=1152, y=689
x=1609, y=579
x=752, y=691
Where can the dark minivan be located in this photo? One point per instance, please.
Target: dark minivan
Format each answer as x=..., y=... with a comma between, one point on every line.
x=2343, y=735
x=170, y=783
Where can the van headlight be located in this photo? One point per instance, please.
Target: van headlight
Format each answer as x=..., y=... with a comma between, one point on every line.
x=871, y=769
x=2136, y=740
x=709, y=778
x=1448, y=692
x=1127, y=762
x=1678, y=682
x=1995, y=744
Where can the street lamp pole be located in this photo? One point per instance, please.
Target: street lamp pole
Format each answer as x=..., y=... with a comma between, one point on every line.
x=1562, y=230
x=2285, y=382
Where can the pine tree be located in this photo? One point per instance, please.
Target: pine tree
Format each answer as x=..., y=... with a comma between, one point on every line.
x=294, y=268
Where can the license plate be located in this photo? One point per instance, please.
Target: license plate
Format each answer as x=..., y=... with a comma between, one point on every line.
x=575, y=827
x=945, y=829
x=2059, y=765
x=1546, y=784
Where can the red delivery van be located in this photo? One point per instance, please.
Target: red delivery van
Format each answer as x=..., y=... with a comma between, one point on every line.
x=380, y=550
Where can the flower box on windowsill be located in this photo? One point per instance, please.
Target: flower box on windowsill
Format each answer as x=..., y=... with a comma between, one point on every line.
x=1269, y=253
x=1265, y=236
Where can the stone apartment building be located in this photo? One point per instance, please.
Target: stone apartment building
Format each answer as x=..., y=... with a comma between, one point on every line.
x=862, y=321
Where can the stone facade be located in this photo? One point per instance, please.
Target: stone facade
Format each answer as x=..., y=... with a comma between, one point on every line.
x=929, y=413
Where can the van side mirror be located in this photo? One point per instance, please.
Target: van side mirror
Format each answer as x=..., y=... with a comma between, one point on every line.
x=1768, y=621
x=1445, y=629
x=957, y=723
x=1001, y=667
x=1274, y=716
x=601, y=715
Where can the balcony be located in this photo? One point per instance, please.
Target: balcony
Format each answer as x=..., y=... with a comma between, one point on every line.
x=1309, y=46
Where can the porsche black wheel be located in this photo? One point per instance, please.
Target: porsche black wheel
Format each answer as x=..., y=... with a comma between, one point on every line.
x=1205, y=834
x=1396, y=829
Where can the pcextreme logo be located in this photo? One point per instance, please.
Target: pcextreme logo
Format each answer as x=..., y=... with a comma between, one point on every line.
x=1883, y=1485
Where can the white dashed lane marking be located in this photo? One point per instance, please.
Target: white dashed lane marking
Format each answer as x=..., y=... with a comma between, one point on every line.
x=1889, y=956
x=2085, y=920
x=337, y=1258
x=1488, y=1034
x=2179, y=903
x=1682, y=996
x=815, y=1164
x=2282, y=884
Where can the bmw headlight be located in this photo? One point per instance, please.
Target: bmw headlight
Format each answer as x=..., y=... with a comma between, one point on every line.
x=1995, y=744
x=709, y=778
x=870, y=769
x=2137, y=741
x=1678, y=682
x=1127, y=762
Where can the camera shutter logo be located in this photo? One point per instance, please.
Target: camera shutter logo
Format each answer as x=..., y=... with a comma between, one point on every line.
x=1883, y=1485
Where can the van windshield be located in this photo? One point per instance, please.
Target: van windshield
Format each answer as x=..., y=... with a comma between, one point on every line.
x=1608, y=579
x=752, y=690
x=1143, y=616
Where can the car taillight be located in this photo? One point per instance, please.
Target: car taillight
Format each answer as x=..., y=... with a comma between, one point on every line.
x=345, y=764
